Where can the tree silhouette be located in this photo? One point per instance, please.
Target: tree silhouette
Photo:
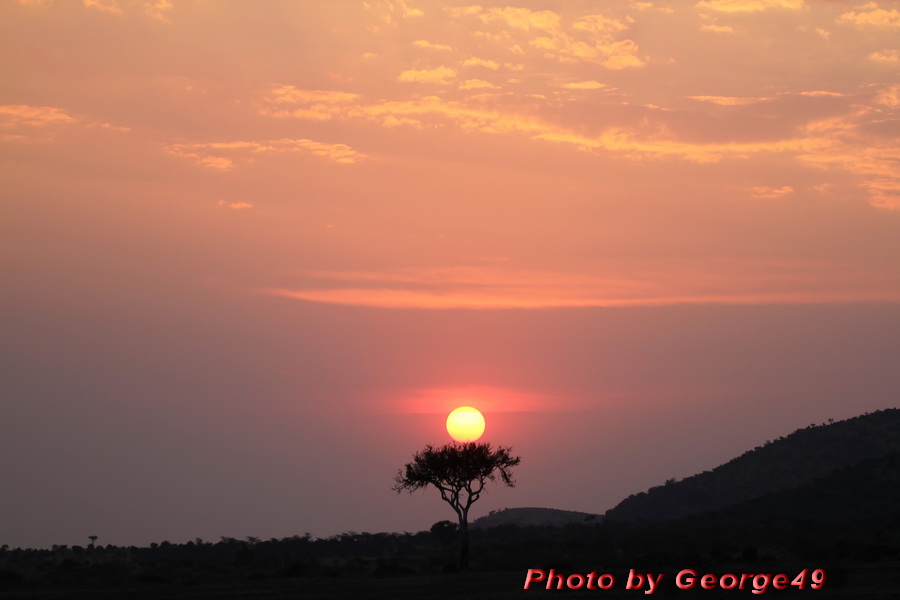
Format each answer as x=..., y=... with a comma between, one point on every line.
x=459, y=472
x=445, y=531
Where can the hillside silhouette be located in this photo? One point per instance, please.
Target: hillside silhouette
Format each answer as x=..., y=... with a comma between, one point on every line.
x=787, y=463
x=854, y=511
x=534, y=517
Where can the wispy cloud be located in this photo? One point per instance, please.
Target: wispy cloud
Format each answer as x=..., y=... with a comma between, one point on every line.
x=771, y=192
x=432, y=46
x=28, y=122
x=832, y=142
x=478, y=84
x=236, y=205
x=870, y=15
x=589, y=38
x=316, y=105
x=614, y=55
x=656, y=283
x=885, y=56
x=224, y=155
x=748, y=6
x=728, y=100
x=522, y=19
x=110, y=6
x=34, y=115
x=481, y=62
x=619, y=140
x=159, y=10
x=717, y=28
x=852, y=146
x=583, y=85
x=437, y=75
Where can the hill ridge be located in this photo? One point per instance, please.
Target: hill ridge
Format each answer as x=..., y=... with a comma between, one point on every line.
x=533, y=516
x=782, y=464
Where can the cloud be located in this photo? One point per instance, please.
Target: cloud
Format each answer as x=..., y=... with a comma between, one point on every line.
x=459, y=11
x=158, y=10
x=820, y=94
x=317, y=105
x=481, y=62
x=630, y=283
x=889, y=97
x=438, y=75
x=223, y=155
x=213, y=162
x=409, y=11
x=110, y=6
x=746, y=6
x=718, y=28
x=614, y=55
x=834, y=142
x=21, y=122
x=590, y=38
x=885, y=56
x=522, y=19
x=583, y=85
x=432, y=110
x=746, y=101
x=392, y=121
x=291, y=94
x=872, y=16
x=728, y=100
x=478, y=84
x=236, y=205
x=430, y=46
x=387, y=10
x=849, y=145
x=765, y=192
x=599, y=25
x=885, y=193
x=34, y=116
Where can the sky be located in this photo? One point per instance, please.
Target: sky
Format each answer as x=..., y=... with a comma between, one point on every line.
x=254, y=253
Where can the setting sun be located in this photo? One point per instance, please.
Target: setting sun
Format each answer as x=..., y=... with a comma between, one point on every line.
x=465, y=424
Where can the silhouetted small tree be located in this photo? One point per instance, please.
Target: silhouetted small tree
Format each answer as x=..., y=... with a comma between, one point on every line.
x=445, y=531
x=459, y=472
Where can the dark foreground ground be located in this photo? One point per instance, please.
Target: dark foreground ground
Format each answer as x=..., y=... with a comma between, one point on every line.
x=852, y=581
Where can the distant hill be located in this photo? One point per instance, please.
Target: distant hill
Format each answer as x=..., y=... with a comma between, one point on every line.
x=862, y=496
x=784, y=464
x=851, y=514
x=537, y=517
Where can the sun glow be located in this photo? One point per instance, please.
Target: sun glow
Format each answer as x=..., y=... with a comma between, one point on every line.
x=465, y=424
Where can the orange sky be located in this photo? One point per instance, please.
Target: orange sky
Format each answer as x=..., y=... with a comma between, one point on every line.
x=230, y=216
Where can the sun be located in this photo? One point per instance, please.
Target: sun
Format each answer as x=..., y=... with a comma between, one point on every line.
x=465, y=424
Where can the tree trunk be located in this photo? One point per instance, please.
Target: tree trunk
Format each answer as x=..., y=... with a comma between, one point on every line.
x=463, y=542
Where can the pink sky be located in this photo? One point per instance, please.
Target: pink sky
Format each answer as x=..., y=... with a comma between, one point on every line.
x=253, y=253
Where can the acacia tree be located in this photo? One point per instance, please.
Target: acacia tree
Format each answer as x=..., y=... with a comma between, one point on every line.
x=459, y=472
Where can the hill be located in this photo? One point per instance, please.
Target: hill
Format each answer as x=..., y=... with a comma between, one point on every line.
x=854, y=512
x=535, y=517
x=784, y=464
